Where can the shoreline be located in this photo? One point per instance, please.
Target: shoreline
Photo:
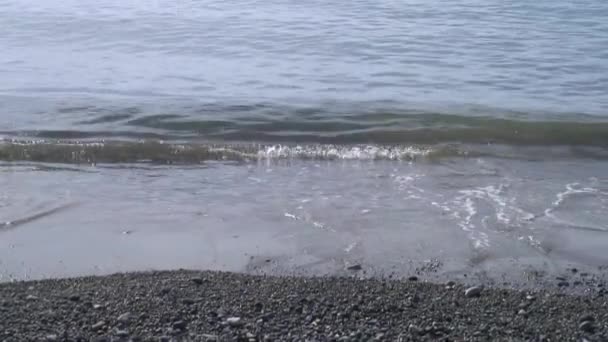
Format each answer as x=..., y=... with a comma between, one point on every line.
x=186, y=305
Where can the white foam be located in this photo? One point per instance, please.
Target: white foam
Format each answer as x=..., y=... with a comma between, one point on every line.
x=365, y=152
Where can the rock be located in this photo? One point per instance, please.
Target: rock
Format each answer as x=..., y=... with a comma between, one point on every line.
x=122, y=333
x=180, y=325
x=234, y=321
x=31, y=298
x=563, y=284
x=474, y=291
x=197, y=280
x=413, y=278
x=530, y=297
x=188, y=301
x=587, y=326
x=522, y=312
x=74, y=297
x=97, y=306
x=574, y=270
x=52, y=338
x=356, y=267
x=124, y=318
x=98, y=325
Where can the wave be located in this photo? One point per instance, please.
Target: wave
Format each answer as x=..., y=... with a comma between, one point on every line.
x=161, y=152
x=278, y=125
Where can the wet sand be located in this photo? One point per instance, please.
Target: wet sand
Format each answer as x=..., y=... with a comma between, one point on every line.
x=218, y=306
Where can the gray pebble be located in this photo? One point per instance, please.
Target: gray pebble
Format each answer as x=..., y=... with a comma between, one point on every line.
x=356, y=267
x=587, y=326
x=98, y=325
x=122, y=333
x=474, y=291
x=234, y=321
x=124, y=318
x=197, y=280
x=52, y=338
x=180, y=325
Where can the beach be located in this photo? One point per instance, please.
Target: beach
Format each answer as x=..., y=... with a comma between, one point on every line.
x=219, y=306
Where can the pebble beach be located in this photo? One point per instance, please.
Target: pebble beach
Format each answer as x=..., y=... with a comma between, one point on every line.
x=220, y=306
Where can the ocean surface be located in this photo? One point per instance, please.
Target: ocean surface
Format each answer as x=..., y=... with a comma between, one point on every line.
x=440, y=137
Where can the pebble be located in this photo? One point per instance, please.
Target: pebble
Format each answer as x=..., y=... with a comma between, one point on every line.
x=587, y=326
x=122, y=333
x=98, y=325
x=234, y=321
x=74, y=297
x=188, y=301
x=31, y=298
x=180, y=325
x=356, y=267
x=563, y=284
x=124, y=318
x=197, y=280
x=52, y=338
x=474, y=291
x=413, y=278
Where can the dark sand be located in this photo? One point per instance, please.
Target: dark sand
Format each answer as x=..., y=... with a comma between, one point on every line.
x=206, y=306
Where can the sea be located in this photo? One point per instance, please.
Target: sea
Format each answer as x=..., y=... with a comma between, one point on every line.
x=447, y=139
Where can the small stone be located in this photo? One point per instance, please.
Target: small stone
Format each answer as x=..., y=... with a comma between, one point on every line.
x=451, y=283
x=413, y=278
x=188, y=301
x=522, y=312
x=530, y=297
x=197, y=280
x=356, y=267
x=52, y=338
x=122, y=333
x=31, y=298
x=98, y=325
x=574, y=270
x=474, y=291
x=74, y=298
x=234, y=321
x=563, y=284
x=587, y=326
x=124, y=318
x=180, y=325
x=97, y=306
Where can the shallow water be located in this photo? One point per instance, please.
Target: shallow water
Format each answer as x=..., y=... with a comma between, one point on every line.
x=470, y=136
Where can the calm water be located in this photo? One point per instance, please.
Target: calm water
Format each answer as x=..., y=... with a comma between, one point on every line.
x=211, y=134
